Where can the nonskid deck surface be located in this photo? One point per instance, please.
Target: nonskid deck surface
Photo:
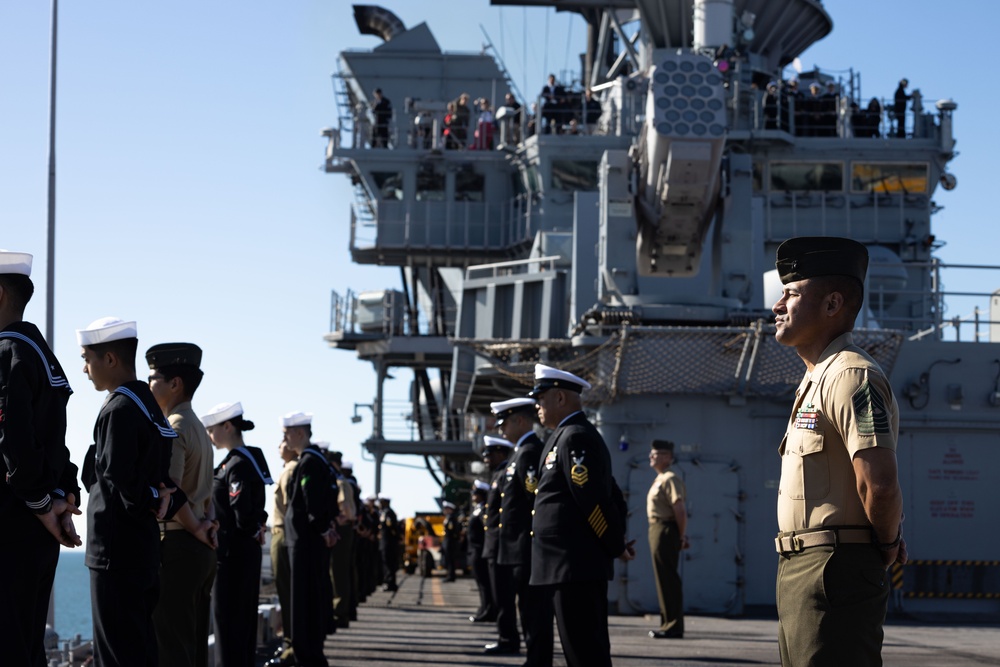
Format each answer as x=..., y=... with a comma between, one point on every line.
x=426, y=622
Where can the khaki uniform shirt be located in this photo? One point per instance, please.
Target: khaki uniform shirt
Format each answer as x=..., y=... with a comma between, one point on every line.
x=281, y=496
x=191, y=460
x=666, y=490
x=345, y=500
x=843, y=406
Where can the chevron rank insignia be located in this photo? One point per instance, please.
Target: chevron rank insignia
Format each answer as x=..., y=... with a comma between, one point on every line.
x=530, y=481
x=235, y=488
x=578, y=473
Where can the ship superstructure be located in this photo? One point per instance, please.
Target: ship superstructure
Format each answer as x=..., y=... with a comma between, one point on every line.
x=634, y=245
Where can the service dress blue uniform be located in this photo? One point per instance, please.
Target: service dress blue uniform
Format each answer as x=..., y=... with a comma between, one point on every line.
x=238, y=494
x=578, y=530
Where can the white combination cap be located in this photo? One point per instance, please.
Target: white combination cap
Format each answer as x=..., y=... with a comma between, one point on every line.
x=297, y=419
x=547, y=378
x=504, y=409
x=105, y=330
x=493, y=441
x=15, y=262
x=480, y=485
x=222, y=412
x=447, y=503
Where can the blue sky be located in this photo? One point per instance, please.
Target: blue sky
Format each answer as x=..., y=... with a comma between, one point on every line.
x=191, y=199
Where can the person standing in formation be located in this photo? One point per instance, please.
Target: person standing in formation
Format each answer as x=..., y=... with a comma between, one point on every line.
x=839, y=502
x=279, y=555
x=515, y=419
x=496, y=452
x=187, y=565
x=125, y=473
x=474, y=535
x=40, y=493
x=388, y=542
x=451, y=539
x=238, y=493
x=579, y=522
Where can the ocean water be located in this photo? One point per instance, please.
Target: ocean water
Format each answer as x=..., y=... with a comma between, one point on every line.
x=72, y=596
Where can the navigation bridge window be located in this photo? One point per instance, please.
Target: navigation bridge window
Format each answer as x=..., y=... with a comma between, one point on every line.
x=574, y=175
x=807, y=176
x=469, y=185
x=430, y=185
x=885, y=178
x=389, y=185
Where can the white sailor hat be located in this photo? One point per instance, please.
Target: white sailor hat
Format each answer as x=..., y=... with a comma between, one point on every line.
x=384, y=498
x=105, y=330
x=494, y=443
x=346, y=465
x=370, y=499
x=504, y=409
x=480, y=485
x=547, y=378
x=447, y=504
x=15, y=262
x=222, y=412
x=297, y=419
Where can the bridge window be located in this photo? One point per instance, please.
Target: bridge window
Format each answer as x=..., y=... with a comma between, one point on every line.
x=430, y=184
x=469, y=185
x=883, y=177
x=807, y=176
x=574, y=175
x=389, y=185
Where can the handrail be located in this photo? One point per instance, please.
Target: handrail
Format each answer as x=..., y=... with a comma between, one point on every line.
x=507, y=265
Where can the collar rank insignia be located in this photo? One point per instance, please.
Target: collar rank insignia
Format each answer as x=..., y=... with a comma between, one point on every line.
x=530, y=481
x=806, y=417
x=235, y=488
x=550, y=459
x=578, y=473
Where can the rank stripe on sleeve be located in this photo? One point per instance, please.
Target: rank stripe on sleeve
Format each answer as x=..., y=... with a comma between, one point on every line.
x=598, y=522
x=869, y=410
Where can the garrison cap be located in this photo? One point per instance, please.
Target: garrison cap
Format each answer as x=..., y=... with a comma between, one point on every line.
x=15, y=262
x=504, y=409
x=493, y=443
x=222, y=412
x=297, y=419
x=173, y=354
x=547, y=378
x=660, y=445
x=813, y=256
x=105, y=330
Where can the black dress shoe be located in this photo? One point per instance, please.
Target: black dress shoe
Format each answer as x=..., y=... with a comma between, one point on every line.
x=482, y=619
x=498, y=648
x=666, y=634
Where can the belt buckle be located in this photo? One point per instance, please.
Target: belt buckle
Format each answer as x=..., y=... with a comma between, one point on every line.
x=790, y=544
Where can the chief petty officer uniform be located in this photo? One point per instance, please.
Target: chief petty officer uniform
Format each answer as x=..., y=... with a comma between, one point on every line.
x=474, y=536
x=508, y=638
x=578, y=529
x=388, y=543
x=130, y=459
x=312, y=505
x=513, y=563
x=832, y=589
x=238, y=494
x=35, y=469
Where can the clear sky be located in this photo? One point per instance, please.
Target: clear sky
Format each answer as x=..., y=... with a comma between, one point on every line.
x=191, y=196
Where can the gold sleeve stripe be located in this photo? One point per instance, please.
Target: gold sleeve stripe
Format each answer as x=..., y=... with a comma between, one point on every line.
x=598, y=522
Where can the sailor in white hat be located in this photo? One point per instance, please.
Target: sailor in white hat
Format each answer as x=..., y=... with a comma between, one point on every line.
x=579, y=520
x=279, y=553
x=41, y=492
x=239, y=494
x=452, y=537
x=515, y=419
x=496, y=452
x=123, y=545
x=309, y=536
x=475, y=534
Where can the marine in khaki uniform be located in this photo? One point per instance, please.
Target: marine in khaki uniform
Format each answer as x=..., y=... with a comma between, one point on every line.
x=187, y=565
x=839, y=501
x=667, y=516
x=279, y=554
